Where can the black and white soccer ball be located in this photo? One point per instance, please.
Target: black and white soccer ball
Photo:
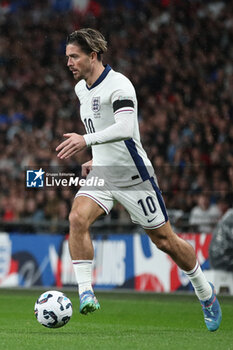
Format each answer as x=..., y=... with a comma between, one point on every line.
x=53, y=309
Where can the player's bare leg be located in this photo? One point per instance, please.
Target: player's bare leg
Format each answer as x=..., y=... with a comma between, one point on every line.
x=184, y=256
x=83, y=213
x=179, y=250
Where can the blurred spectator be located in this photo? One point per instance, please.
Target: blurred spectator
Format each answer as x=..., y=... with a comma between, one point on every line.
x=8, y=213
x=204, y=216
x=221, y=245
x=32, y=210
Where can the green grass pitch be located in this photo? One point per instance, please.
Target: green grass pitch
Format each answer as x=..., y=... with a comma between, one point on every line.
x=125, y=321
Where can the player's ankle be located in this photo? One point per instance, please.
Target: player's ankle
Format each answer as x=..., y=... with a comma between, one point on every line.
x=83, y=287
x=199, y=282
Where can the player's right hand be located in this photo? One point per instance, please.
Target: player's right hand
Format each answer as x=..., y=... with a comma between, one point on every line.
x=74, y=143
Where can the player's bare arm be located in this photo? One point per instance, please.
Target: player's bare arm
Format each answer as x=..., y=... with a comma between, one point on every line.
x=74, y=143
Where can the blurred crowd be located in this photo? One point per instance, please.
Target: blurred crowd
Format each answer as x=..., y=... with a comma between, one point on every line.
x=179, y=56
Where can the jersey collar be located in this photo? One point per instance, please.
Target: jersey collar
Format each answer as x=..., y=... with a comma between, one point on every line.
x=101, y=77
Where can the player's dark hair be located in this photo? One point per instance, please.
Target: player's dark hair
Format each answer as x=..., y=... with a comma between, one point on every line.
x=89, y=40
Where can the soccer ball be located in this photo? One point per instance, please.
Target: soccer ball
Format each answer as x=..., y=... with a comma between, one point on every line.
x=53, y=309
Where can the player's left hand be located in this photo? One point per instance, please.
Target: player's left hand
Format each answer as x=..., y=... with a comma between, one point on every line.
x=74, y=143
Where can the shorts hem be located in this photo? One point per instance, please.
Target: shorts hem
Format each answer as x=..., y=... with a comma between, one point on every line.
x=155, y=226
x=95, y=200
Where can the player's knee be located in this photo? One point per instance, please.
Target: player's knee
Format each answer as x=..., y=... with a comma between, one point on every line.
x=78, y=221
x=164, y=238
x=162, y=243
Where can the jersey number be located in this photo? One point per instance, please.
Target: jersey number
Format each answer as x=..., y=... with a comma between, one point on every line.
x=148, y=204
x=89, y=126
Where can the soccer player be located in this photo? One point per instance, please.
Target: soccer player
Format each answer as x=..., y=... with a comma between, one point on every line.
x=108, y=108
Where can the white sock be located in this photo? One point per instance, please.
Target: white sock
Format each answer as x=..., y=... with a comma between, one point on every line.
x=200, y=284
x=82, y=270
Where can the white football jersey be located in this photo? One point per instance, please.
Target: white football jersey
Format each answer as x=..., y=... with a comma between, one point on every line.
x=125, y=162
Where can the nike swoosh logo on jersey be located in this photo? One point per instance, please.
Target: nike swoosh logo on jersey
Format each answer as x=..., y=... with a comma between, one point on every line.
x=151, y=219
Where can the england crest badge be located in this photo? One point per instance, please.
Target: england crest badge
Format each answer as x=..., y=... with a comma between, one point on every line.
x=95, y=105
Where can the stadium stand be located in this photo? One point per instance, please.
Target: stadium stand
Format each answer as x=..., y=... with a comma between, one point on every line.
x=180, y=62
